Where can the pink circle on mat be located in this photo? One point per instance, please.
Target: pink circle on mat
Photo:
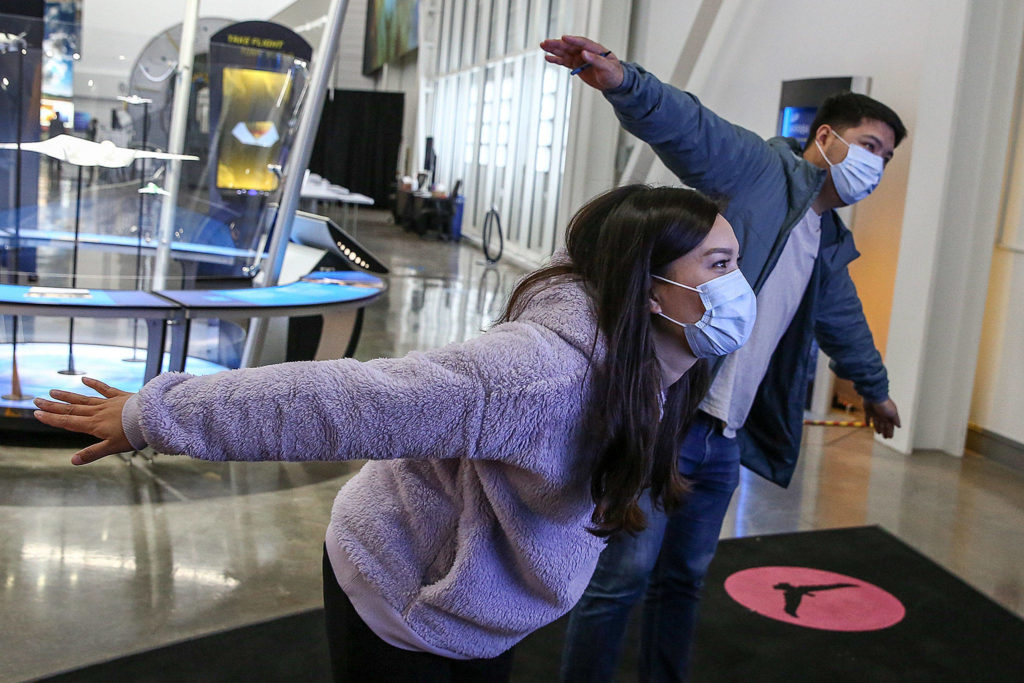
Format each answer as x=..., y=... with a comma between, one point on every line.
x=815, y=598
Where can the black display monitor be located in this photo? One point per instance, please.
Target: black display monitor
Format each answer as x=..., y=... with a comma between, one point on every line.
x=313, y=230
x=800, y=99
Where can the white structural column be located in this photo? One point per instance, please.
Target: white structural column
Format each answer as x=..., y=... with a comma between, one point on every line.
x=176, y=143
x=960, y=146
x=998, y=401
x=590, y=146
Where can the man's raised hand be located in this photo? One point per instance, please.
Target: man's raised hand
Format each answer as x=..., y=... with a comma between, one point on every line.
x=573, y=52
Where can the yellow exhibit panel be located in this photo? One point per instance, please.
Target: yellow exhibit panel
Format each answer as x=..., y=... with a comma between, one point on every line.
x=250, y=135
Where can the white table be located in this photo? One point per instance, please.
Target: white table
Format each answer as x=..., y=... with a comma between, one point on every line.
x=316, y=192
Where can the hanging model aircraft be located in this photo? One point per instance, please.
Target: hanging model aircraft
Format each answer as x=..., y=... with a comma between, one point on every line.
x=81, y=152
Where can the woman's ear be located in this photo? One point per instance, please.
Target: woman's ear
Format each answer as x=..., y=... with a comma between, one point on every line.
x=654, y=304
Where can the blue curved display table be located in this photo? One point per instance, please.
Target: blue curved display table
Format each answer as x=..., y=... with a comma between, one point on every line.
x=167, y=313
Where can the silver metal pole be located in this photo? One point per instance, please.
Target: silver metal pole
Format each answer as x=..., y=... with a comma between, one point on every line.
x=176, y=143
x=297, y=162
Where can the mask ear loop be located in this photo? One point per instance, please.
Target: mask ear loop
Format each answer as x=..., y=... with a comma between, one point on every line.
x=703, y=295
x=677, y=284
x=822, y=151
x=673, y=320
x=692, y=289
x=841, y=138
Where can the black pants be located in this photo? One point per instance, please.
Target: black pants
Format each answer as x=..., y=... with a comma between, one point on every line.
x=359, y=655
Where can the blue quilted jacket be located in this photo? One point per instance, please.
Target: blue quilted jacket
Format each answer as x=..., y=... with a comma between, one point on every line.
x=767, y=188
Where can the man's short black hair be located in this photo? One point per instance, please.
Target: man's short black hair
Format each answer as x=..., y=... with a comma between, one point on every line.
x=847, y=109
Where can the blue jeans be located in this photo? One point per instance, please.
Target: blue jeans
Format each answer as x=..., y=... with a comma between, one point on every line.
x=665, y=564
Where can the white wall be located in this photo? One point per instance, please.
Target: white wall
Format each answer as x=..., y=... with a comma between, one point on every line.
x=998, y=404
x=951, y=216
x=656, y=31
x=404, y=77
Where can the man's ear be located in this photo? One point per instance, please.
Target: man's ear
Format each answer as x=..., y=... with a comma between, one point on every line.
x=821, y=135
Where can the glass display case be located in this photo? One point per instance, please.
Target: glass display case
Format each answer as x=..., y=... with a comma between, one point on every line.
x=84, y=165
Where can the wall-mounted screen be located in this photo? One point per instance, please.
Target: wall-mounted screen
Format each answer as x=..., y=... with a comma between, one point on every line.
x=392, y=30
x=799, y=101
x=795, y=122
x=49, y=107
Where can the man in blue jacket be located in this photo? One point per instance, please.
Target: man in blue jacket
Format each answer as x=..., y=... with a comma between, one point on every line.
x=781, y=201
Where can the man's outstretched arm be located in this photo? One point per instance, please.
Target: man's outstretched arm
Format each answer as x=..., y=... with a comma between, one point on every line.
x=702, y=149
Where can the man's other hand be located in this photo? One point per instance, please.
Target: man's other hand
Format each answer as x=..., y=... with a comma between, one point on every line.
x=882, y=416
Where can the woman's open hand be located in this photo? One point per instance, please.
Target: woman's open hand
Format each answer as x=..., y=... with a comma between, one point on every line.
x=100, y=417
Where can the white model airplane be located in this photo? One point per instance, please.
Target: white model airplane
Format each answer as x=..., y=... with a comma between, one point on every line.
x=153, y=188
x=81, y=152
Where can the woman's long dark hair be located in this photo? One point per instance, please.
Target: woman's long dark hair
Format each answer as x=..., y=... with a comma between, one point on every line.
x=615, y=243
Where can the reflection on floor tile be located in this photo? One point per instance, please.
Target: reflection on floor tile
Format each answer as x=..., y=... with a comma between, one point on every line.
x=112, y=558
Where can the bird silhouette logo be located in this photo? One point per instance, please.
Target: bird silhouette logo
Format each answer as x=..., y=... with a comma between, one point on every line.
x=794, y=594
x=815, y=598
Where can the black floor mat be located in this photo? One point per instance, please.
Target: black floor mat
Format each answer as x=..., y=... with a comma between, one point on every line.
x=924, y=625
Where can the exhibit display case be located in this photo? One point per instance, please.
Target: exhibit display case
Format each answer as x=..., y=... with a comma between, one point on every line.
x=121, y=259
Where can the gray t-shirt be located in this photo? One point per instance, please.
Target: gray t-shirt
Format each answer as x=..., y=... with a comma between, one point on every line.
x=733, y=390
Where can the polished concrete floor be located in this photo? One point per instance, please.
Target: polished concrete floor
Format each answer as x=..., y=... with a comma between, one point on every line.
x=116, y=557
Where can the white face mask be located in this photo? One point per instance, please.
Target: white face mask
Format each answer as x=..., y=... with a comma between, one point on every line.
x=730, y=309
x=856, y=176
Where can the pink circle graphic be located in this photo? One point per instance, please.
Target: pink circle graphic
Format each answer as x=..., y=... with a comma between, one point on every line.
x=815, y=598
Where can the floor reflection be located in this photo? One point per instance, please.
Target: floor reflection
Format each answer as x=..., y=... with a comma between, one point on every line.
x=45, y=479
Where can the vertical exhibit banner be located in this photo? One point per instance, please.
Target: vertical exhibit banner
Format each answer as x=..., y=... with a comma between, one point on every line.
x=22, y=27
x=61, y=46
x=392, y=30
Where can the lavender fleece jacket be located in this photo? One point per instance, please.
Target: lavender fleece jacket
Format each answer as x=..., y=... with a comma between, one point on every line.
x=470, y=518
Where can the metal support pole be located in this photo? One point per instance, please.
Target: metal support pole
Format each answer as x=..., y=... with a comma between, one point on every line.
x=176, y=143
x=296, y=164
x=15, y=393
x=71, y=370
x=138, y=227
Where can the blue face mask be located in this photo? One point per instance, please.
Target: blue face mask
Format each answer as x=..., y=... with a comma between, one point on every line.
x=730, y=309
x=856, y=176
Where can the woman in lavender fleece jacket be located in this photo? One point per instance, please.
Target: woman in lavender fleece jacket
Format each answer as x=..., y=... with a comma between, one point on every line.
x=496, y=466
